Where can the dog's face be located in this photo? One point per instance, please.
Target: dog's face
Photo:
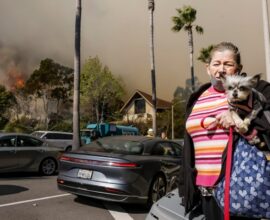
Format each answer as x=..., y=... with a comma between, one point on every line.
x=238, y=87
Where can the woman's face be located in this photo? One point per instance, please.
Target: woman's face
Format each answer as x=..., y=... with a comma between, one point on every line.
x=223, y=62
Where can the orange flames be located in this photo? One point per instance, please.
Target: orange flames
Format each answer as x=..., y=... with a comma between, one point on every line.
x=15, y=79
x=19, y=83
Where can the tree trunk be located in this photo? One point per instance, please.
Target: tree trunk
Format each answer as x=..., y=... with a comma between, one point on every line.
x=97, y=112
x=102, y=112
x=77, y=70
x=151, y=7
x=46, y=109
x=190, y=44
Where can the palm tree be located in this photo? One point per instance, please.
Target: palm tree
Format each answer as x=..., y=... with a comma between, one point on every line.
x=151, y=8
x=77, y=70
x=205, y=54
x=184, y=20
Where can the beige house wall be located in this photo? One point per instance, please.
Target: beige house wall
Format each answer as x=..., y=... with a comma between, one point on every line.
x=131, y=116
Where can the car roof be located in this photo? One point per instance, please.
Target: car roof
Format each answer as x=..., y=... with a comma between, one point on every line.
x=55, y=132
x=16, y=134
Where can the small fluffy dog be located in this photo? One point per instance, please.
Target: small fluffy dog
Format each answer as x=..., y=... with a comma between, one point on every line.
x=245, y=103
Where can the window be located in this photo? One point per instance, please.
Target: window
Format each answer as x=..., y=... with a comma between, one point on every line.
x=38, y=134
x=59, y=136
x=51, y=136
x=66, y=136
x=178, y=149
x=8, y=141
x=139, y=106
x=28, y=142
x=163, y=149
x=116, y=146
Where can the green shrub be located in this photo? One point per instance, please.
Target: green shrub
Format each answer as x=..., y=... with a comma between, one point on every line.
x=62, y=126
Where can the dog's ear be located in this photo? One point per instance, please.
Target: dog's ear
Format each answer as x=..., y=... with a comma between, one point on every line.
x=243, y=74
x=255, y=79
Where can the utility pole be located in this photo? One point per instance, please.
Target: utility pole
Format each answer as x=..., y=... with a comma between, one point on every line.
x=266, y=38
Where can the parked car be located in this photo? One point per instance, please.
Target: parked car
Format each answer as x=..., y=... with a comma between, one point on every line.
x=169, y=208
x=60, y=139
x=122, y=169
x=179, y=141
x=22, y=152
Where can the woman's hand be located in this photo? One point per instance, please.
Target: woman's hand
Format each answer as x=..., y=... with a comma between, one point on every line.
x=225, y=119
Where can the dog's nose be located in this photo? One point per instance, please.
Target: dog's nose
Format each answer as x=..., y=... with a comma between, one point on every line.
x=235, y=94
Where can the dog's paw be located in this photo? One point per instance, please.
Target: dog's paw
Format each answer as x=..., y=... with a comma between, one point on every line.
x=247, y=121
x=254, y=141
x=261, y=144
x=242, y=128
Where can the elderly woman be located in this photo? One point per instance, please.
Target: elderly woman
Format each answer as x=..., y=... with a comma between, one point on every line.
x=205, y=148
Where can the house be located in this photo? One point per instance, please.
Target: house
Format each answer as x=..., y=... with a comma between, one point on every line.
x=139, y=107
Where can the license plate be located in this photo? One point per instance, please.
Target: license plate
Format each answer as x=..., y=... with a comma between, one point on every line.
x=85, y=174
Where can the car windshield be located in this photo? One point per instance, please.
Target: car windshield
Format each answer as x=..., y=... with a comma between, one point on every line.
x=116, y=146
x=37, y=134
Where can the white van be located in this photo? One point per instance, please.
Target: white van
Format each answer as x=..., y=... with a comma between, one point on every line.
x=59, y=139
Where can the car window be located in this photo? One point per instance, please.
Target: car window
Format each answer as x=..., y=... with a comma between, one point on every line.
x=177, y=149
x=117, y=146
x=59, y=136
x=66, y=136
x=37, y=134
x=23, y=141
x=163, y=149
x=51, y=136
x=8, y=141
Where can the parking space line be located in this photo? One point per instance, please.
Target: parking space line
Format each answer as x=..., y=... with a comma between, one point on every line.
x=34, y=200
x=117, y=212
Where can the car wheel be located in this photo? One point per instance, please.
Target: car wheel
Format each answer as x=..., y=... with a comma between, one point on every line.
x=174, y=183
x=157, y=189
x=47, y=167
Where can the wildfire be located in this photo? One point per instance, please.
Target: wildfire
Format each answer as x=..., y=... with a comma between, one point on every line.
x=15, y=79
x=19, y=83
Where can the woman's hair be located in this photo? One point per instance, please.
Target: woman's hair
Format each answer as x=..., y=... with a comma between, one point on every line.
x=226, y=46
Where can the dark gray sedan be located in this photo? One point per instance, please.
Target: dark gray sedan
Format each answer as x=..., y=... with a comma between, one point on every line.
x=22, y=152
x=122, y=169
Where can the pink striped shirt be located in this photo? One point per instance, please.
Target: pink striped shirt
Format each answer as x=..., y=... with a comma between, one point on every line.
x=208, y=144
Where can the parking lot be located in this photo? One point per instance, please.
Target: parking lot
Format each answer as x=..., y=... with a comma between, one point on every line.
x=33, y=197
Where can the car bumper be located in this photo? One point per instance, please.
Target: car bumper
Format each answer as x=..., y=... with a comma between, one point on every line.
x=107, y=192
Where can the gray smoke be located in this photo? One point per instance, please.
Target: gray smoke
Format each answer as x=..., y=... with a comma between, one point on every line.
x=15, y=64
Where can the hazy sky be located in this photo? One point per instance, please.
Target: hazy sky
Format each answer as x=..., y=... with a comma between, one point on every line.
x=117, y=31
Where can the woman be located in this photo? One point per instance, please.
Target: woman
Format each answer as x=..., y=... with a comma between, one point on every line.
x=204, y=146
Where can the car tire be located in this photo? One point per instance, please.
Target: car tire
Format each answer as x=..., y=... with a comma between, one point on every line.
x=48, y=167
x=157, y=189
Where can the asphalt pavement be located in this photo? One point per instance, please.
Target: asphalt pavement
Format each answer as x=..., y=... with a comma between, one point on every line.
x=33, y=197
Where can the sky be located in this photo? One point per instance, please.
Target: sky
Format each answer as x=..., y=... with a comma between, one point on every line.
x=117, y=31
